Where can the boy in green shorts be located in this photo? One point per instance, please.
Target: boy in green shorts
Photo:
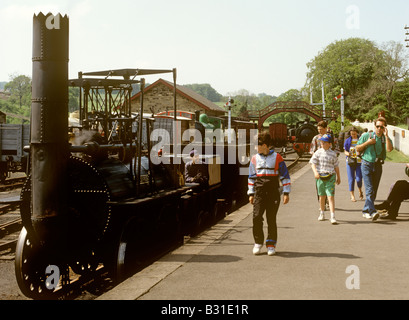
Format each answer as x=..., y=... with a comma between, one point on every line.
x=325, y=165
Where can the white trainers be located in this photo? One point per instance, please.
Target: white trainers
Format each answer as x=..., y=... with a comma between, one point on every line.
x=333, y=220
x=375, y=216
x=366, y=216
x=271, y=251
x=321, y=217
x=257, y=249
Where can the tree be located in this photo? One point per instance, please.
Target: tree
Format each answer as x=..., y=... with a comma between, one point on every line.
x=20, y=89
x=206, y=91
x=291, y=95
x=393, y=69
x=349, y=64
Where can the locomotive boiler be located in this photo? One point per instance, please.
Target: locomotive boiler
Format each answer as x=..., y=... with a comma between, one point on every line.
x=302, y=136
x=104, y=202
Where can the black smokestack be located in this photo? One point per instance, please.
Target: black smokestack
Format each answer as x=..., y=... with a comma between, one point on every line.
x=49, y=123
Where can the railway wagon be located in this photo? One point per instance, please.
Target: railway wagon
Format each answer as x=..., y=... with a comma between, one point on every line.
x=85, y=207
x=13, y=138
x=278, y=132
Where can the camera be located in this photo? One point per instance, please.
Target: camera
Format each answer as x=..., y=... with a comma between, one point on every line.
x=380, y=161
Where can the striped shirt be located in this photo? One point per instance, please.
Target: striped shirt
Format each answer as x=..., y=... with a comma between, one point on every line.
x=325, y=160
x=270, y=166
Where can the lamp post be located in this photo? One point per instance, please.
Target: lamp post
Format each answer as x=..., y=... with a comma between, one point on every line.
x=228, y=105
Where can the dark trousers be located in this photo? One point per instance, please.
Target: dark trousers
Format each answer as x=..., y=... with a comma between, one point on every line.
x=268, y=202
x=399, y=192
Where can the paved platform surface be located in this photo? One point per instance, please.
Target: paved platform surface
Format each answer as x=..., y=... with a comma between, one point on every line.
x=356, y=259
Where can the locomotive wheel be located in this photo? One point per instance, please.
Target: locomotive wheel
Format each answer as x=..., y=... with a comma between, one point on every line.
x=128, y=250
x=139, y=243
x=169, y=222
x=199, y=224
x=218, y=211
x=30, y=268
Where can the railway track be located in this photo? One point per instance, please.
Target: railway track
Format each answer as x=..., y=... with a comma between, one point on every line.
x=10, y=227
x=12, y=183
x=10, y=221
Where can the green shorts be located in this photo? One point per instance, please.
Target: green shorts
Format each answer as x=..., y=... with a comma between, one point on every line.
x=326, y=187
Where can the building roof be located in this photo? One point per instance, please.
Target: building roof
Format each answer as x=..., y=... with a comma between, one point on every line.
x=185, y=92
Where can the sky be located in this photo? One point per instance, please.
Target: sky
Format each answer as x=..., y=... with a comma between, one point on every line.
x=262, y=46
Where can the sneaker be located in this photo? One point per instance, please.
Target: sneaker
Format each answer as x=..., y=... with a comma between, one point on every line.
x=321, y=217
x=271, y=251
x=333, y=220
x=375, y=216
x=257, y=249
x=366, y=216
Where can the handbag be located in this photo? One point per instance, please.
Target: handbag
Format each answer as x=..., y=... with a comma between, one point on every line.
x=352, y=162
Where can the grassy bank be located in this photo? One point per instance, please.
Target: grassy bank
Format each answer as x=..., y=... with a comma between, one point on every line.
x=397, y=156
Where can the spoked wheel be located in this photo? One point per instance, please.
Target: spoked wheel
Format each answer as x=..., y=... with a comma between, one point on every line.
x=36, y=278
x=218, y=211
x=128, y=253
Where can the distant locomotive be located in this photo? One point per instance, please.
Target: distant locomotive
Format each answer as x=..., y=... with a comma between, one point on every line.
x=302, y=135
x=112, y=199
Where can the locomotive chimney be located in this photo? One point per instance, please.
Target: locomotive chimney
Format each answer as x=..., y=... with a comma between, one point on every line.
x=49, y=125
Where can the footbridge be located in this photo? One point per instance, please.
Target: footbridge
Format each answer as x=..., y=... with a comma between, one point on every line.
x=313, y=111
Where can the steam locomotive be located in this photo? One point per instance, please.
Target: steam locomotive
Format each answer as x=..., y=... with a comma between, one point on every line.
x=113, y=199
x=302, y=135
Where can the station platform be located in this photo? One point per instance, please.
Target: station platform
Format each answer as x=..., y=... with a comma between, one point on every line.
x=355, y=259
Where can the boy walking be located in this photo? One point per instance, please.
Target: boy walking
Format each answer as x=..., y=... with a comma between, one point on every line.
x=325, y=165
x=266, y=170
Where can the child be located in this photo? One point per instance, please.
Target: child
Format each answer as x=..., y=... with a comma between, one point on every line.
x=266, y=170
x=325, y=165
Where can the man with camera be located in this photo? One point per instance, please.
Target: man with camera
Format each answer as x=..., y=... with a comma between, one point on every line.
x=372, y=146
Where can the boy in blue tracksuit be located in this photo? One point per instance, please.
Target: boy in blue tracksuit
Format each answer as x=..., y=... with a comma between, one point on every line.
x=266, y=170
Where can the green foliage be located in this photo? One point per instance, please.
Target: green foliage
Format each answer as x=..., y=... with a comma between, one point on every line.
x=336, y=125
x=206, y=91
x=73, y=96
x=244, y=101
x=19, y=102
x=370, y=76
x=20, y=90
x=13, y=108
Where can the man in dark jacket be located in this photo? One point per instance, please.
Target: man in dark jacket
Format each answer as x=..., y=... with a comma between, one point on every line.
x=196, y=171
x=398, y=193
